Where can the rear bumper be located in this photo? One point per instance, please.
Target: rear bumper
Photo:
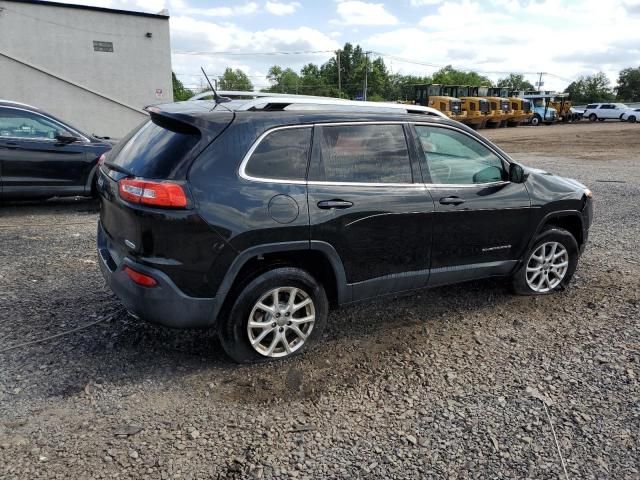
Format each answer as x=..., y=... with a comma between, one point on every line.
x=164, y=304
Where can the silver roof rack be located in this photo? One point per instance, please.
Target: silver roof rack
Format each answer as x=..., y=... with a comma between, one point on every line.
x=18, y=103
x=275, y=101
x=207, y=94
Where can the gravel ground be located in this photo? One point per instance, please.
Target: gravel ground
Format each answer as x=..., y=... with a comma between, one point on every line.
x=464, y=382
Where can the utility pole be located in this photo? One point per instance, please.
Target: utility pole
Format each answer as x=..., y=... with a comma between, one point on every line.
x=339, y=80
x=540, y=80
x=366, y=72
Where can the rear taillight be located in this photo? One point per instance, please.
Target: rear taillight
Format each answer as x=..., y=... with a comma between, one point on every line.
x=140, y=278
x=101, y=160
x=157, y=194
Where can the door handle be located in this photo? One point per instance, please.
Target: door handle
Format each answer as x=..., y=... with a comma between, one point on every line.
x=329, y=204
x=451, y=201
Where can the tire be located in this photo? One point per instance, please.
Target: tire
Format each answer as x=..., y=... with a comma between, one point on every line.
x=526, y=282
x=535, y=120
x=632, y=119
x=236, y=336
x=593, y=117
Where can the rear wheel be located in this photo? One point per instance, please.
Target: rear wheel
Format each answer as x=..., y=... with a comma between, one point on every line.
x=549, y=264
x=593, y=117
x=279, y=314
x=632, y=119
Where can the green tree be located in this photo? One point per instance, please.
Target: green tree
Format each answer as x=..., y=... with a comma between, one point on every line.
x=451, y=76
x=590, y=88
x=628, y=88
x=234, y=80
x=283, y=81
x=515, y=81
x=180, y=92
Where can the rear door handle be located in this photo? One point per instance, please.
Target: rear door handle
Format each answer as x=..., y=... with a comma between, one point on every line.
x=451, y=201
x=328, y=204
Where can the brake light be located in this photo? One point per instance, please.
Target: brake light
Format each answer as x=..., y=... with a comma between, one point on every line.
x=101, y=160
x=157, y=194
x=140, y=278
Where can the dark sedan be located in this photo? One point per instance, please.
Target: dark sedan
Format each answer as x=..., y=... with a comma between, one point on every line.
x=41, y=156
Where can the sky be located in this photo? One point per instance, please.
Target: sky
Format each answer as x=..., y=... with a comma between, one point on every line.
x=563, y=38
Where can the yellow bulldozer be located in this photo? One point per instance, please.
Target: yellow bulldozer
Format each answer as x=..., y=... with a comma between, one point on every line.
x=475, y=108
x=563, y=105
x=519, y=112
x=500, y=107
x=431, y=95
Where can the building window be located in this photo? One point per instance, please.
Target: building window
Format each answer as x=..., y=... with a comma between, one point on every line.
x=102, y=46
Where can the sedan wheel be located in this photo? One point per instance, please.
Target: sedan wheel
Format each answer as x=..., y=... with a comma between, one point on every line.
x=547, y=267
x=281, y=321
x=632, y=119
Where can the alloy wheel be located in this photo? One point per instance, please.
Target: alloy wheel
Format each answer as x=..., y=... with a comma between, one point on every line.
x=281, y=321
x=547, y=267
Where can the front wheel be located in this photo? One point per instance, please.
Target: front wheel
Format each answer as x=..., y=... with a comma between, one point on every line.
x=593, y=117
x=277, y=315
x=535, y=120
x=549, y=264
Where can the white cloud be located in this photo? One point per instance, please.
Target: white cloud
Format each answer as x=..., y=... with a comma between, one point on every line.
x=355, y=12
x=422, y=3
x=548, y=35
x=277, y=8
x=245, y=9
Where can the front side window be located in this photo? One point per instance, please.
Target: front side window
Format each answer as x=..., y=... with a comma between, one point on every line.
x=456, y=158
x=27, y=125
x=591, y=106
x=281, y=155
x=363, y=154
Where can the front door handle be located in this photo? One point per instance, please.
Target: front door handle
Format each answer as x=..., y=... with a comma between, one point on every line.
x=451, y=201
x=329, y=204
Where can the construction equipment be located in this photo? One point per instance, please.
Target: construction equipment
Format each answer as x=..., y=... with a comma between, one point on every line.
x=500, y=106
x=475, y=108
x=563, y=105
x=431, y=95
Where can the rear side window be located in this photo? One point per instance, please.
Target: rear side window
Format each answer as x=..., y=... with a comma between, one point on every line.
x=155, y=149
x=281, y=155
x=592, y=105
x=363, y=154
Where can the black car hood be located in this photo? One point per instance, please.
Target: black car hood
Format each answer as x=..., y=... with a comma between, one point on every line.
x=568, y=182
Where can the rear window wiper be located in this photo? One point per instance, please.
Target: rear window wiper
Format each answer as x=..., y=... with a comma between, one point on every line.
x=118, y=168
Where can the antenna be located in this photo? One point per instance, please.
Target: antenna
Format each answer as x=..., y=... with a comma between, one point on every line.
x=216, y=97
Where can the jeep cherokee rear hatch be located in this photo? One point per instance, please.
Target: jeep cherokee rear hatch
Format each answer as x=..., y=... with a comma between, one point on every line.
x=144, y=192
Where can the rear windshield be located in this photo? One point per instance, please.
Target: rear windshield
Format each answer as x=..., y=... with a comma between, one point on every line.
x=154, y=150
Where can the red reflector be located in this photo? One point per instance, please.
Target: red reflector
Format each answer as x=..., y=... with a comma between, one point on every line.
x=140, y=278
x=157, y=194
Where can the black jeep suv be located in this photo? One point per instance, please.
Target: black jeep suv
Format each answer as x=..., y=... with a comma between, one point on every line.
x=256, y=221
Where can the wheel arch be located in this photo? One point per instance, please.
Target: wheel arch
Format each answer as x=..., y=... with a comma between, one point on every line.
x=570, y=220
x=320, y=259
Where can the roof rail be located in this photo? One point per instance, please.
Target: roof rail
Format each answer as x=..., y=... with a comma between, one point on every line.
x=326, y=103
x=279, y=101
x=18, y=103
x=241, y=93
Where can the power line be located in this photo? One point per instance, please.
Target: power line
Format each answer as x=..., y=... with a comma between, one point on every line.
x=301, y=52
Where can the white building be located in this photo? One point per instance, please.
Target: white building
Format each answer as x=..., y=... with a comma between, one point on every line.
x=95, y=68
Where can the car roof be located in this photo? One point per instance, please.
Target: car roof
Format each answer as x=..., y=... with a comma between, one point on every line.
x=209, y=110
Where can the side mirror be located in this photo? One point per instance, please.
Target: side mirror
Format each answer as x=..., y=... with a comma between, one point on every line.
x=65, y=137
x=516, y=173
